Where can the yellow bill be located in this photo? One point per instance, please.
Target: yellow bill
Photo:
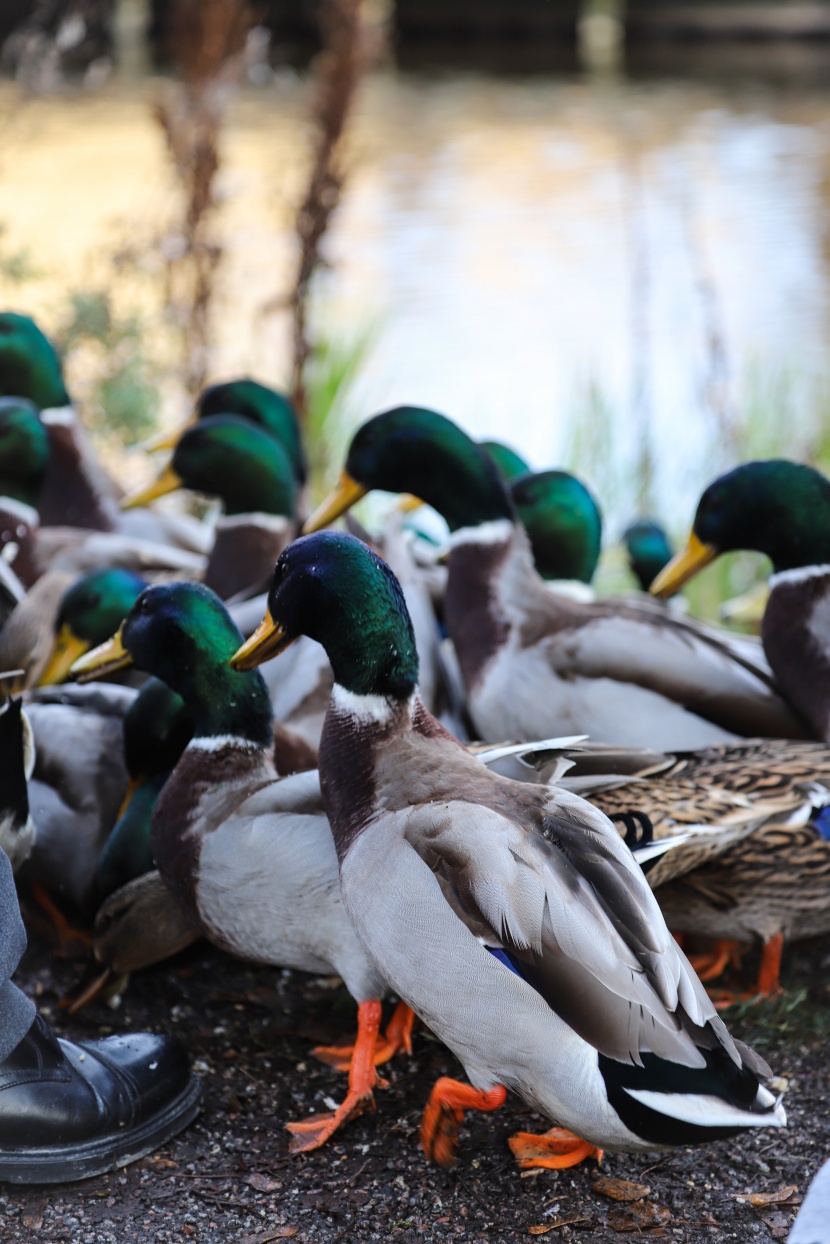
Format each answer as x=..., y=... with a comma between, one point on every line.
x=105, y=659
x=66, y=648
x=345, y=495
x=132, y=787
x=167, y=481
x=683, y=566
x=407, y=503
x=165, y=440
x=268, y=640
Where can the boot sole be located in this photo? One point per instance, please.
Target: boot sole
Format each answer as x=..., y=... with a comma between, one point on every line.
x=64, y=1164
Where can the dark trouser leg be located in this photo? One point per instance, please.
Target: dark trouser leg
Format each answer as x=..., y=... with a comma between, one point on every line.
x=16, y=1010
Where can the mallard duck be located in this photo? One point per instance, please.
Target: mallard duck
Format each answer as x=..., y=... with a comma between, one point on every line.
x=648, y=549
x=157, y=728
x=89, y=611
x=249, y=399
x=782, y=509
x=510, y=464
x=29, y=547
x=234, y=459
x=534, y=663
x=510, y=917
x=763, y=869
x=248, y=855
x=563, y=523
x=76, y=492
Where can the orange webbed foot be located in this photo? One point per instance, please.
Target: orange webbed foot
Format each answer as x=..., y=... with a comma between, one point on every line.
x=554, y=1150
x=315, y=1131
x=444, y=1115
x=710, y=965
x=398, y=1036
x=769, y=977
x=64, y=931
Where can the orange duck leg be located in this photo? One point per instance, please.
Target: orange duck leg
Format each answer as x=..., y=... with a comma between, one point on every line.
x=554, y=1150
x=315, y=1131
x=398, y=1036
x=444, y=1115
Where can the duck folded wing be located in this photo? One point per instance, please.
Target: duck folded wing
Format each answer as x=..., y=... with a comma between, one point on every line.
x=564, y=905
x=684, y=662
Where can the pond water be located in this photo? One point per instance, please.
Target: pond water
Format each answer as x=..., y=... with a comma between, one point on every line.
x=626, y=276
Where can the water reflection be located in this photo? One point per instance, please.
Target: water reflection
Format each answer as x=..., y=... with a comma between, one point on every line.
x=631, y=273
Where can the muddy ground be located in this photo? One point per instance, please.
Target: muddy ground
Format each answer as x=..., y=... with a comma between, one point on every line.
x=229, y=1179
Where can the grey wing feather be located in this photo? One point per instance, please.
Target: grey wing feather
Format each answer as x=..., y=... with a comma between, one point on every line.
x=572, y=905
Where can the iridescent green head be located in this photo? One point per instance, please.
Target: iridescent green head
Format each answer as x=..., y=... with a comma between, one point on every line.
x=563, y=522
x=410, y=449
x=29, y=364
x=96, y=604
x=778, y=507
x=157, y=729
x=648, y=550
x=334, y=589
x=511, y=464
x=231, y=458
x=184, y=635
x=24, y=450
x=269, y=409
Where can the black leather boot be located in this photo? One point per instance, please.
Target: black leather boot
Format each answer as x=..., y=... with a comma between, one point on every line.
x=69, y=1110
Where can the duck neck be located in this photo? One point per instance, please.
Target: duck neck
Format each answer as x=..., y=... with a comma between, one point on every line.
x=245, y=548
x=76, y=491
x=491, y=578
x=355, y=730
x=796, y=637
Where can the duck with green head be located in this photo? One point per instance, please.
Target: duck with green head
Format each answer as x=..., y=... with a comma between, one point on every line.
x=563, y=523
x=536, y=664
x=231, y=458
x=648, y=549
x=510, y=464
x=77, y=491
x=510, y=917
x=269, y=409
x=248, y=855
x=90, y=610
x=782, y=509
x=157, y=728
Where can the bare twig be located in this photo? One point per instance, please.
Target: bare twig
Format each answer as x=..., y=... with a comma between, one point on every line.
x=338, y=70
x=207, y=39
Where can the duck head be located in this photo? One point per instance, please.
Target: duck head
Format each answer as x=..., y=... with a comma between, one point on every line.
x=778, y=507
x=262, y=406
x=511, y=464
x=414, y=450
x=24, y=450
x=648, y=549
x=90, y=611
x=563, y=522
x=230, y=458
x=29, y=363
x=333, y=588
x=182, y=633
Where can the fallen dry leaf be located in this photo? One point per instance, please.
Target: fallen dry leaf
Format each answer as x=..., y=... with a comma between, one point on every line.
x=641, y=1216
x=32, y=1218
x=769, y=1198
x=276, y=1233
x=262, y=1183
x=619, y=1189
x=544, y=1228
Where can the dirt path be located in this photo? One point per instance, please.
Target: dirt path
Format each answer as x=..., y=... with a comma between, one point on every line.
x=229, y=1179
